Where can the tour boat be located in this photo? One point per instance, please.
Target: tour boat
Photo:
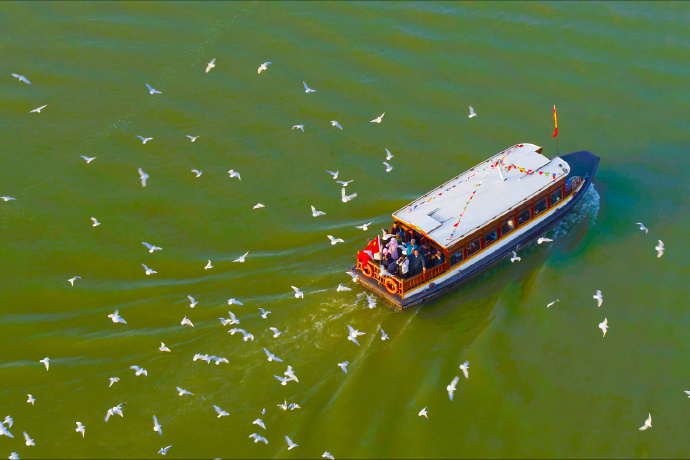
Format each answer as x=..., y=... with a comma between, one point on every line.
x=477, y=219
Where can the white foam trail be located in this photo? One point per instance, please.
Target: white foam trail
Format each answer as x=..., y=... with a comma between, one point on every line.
x=586, y=210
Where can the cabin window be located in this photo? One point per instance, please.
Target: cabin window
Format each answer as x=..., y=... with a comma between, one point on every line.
x=524, y=216
x=556, y=197
x=473, y=247
x=490, y=236
x=456, y=258
x=508, y=226
x=540, y=207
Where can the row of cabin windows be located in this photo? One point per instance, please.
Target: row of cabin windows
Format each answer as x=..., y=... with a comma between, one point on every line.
x=507, y=226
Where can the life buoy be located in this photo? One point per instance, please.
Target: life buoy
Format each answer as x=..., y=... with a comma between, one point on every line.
x=366, y=269
x=391, y=285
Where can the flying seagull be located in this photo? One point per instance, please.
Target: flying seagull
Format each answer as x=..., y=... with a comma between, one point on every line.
x=234, y=173
x=151, y=247
x=193, y=302
x=260, y=423
x=336, y=124
x=659, y=249
x=29, y=442
x=298, y=127
x=272, y=357
x=264, y=313
x=164, y=450
x=87, y=159
x=21, y=78
x=7, y=198
x=221, y=412
x=163, y=347
x=342, y=288
x=31, y=399
x=384, y=336
x=423, y=413
x=151, y=90
x=465, y=369
x=308, y=89
x=38, y=110
x=192, y=138
x=46, y=362
x=343, y=366
x=148, y=270
x=364, y=227
x=157, y=426
x=258, y=206
x=208, y=265
x=113, y=380
x=334, y=174
x=186, y=321
x=472, y=113
x=241, y=258
x=298, y=293
x=144, y=140
x=81, y=429
x=647, y=423
x=198, y=172
x=275, y=331
x=72, y=280
x=643, y=228
x=389, y=155
x=389, y=168
x=316, y=213
x=263, y=67
x=143, y=176
x=209, y=66
x=345, y=198
x=604, y=326
x=451, y=388
x=139, y=371
x=557, y=300
x=378, y=119
x=182, y=392
x=117, y=318
x=335, y=241
x=258, y=438
x=234, y=301
x=599, y=298
x=515, y=257
x=290, y=443
x=354, y=333
x=327, y=455
x=344, y=183
x=95, y=222
x=544, y=240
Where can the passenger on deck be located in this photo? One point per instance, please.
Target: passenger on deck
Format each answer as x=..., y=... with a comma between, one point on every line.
x=393, y=268
x=437, y=259
x=417, y=264
x=396, y=230
x=386, y=259
x=426, y=252
x=393, y=248
x=403, y=266
x=411, y=247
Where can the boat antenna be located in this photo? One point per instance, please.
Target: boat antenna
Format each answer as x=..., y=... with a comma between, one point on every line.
x=500, y=164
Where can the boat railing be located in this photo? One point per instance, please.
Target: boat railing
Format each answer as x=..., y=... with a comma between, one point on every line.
x=423, y=277
x=397, y=285
x=573, y=185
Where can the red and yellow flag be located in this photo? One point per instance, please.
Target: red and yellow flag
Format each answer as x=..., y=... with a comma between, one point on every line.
x=555, y=122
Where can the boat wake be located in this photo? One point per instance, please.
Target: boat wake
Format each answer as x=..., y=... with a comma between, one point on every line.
x=586, y=210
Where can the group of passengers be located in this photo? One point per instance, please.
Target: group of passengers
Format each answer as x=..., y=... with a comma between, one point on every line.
x=403, y=257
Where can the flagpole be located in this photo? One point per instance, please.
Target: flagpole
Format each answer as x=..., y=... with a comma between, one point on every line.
x=557, y=152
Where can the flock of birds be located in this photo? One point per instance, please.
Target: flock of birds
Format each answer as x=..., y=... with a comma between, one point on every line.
x=232, y=320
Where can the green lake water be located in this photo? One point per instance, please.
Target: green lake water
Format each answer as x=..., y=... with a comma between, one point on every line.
x=542, y=383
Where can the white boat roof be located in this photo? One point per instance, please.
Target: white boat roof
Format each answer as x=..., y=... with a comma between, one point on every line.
x=483, y=193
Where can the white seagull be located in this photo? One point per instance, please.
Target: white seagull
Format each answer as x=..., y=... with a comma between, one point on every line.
x=283, y=380
x=208, y=265
x=31, y=399
x=81, y=429
x=354, y=276
x=451, y=388
x=151, y=247
x=465, y=367
x=290, y=443
x=343, y=288
x=283, y=406
x=209, y=66
x=7, y=198
x=264, y=313
x=163, y=347
x=345, y=198
x=258, y=206
x=193, y=302
x=258, y=438
x=148, y=270
x=259, y=422
x=544, y=240
x=298, y=127
x=139, y=371
x=308, y=89
x=143, y=176
x=151, y=90
x=72, y=280
x=241, y=259
x=164, y=450
x=647, y=423
x=472, y=113
x=291, y=375
x=389, y=168
x=354, y=333
x=46, y=362
x=263, y=67
x=336, y=124
x=599, y=298
x=364, y=227
x=659, y=249
x=343, y=366
x=327, y=455
x=335, y=241
x=298, y=294
x=384, y=336
x=221, y=412
x=604, y=326
x=186, y=321
x=95, y=222
x=378, y=119
x=294, y=406
x=316, y=213
x=38, y=110
x=117, y=318
x=235, y=302
x=157, y=426
x=389, y=155
x=423, y=413
x=182, y=392
x=88, y=159
x=643, y=228
x=272, y=357
x=334, y=174
x=144, y=140
x=234, y=173
x=344, y=183
x=192, y=138
x=275, y=331
x=29, y=442
x=113, y=380
x=198, y=172
x=557, y=300
x=21, y=78
x=687, y=392
x=371, y=301
x=515, y=257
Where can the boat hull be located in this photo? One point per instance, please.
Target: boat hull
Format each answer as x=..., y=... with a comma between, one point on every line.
x=583, y=164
